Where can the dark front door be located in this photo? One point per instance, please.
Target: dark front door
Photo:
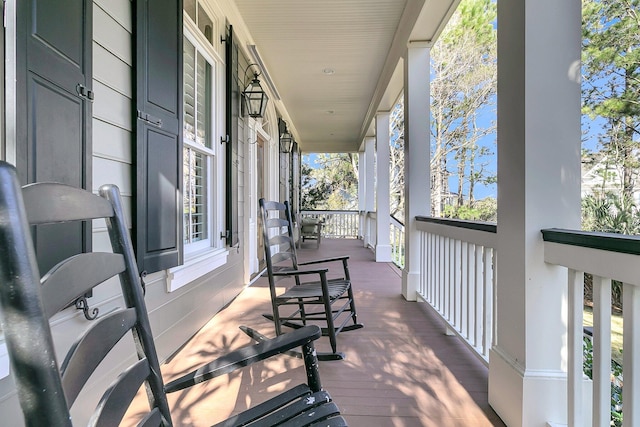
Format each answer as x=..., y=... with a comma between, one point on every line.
x=54, y=94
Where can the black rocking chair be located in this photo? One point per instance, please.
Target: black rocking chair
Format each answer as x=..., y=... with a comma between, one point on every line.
x=47, y=390
x=329, y=301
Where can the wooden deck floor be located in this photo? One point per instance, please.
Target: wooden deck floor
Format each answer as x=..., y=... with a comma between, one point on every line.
x=400, y=370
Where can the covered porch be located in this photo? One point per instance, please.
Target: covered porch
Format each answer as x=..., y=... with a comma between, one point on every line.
x=400, y=370
x=333, y=71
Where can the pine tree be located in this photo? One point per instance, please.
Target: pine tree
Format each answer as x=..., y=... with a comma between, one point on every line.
x=611, y=80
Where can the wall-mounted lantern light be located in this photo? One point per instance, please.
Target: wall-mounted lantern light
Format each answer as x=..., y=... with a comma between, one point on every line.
x=255, y=98
x=286, y=140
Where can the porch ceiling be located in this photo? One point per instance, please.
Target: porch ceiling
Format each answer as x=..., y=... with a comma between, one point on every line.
x=361, y=41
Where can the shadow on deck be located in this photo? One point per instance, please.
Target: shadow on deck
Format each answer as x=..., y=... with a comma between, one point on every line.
x=400, y=370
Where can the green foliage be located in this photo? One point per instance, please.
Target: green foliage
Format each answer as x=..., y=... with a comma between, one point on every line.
x=476, y=18
x=611, y=79
x=314, y=193
x=481, y=210
x=611, y=50
x=610, y=213
x=332, y=184
x=587, y=357
x=616, y=373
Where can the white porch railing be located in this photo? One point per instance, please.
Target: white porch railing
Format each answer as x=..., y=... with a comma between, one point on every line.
x=607, y=257
x=337, y=224
x=458, y=277
x=397, y=242
x=369, y=233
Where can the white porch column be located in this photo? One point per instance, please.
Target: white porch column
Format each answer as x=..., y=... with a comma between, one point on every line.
x=538, y=187
x=383, y=211
x=361, y=193
x=416, y=158
x=369, y=186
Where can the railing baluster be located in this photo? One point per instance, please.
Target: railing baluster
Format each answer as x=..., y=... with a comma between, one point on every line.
x=458, y=267
x=471, y=267
x=432, y=269
x=462, y=281
x=445, y=276
x=441, y=274
x=455, y=285
x=576, y=294
x=421, y=262
x=487, y=301
x=343, y=224
x=631, y=355
x=494, y=298
x=601, y=350
x=457, y=280
x=478, y=301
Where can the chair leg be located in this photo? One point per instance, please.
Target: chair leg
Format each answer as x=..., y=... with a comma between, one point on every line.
x=303, y=313
x=331, y=329
x=352, y=305
x=353, y=313
x=276, y=319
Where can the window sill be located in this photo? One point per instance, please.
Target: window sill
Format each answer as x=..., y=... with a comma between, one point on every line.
x=198, y=264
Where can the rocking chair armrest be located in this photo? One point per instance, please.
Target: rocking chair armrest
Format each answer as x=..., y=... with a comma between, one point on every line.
x=246, y=356
x=300, y=272
x=342, y=258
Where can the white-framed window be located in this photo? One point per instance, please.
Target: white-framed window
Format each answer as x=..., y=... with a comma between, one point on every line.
x=198, y=154
x=203, y=249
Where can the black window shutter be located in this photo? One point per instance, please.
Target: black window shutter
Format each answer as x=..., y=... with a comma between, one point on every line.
x=232, y=112
x=53, y=117
x=158, y=190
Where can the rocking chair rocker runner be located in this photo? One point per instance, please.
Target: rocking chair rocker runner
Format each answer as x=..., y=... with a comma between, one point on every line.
x=329, y=301
x=46, y=390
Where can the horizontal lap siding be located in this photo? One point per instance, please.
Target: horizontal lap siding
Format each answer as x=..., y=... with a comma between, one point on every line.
x=175, y=316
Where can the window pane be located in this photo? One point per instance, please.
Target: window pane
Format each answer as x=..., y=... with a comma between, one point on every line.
x=205, y=24
x=203, y=102
x=189, y=91
x=190, y=7
x=195, y=196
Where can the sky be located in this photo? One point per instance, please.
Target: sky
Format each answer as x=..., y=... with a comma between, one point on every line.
x=590, y=142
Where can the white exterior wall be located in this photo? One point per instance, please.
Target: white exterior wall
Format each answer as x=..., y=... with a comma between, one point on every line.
x=175, y=316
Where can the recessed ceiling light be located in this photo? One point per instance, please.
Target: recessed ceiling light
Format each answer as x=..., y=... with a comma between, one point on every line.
x=329, y=71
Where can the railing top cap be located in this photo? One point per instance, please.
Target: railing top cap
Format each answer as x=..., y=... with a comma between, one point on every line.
x=489, y=227
x=595, y=240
